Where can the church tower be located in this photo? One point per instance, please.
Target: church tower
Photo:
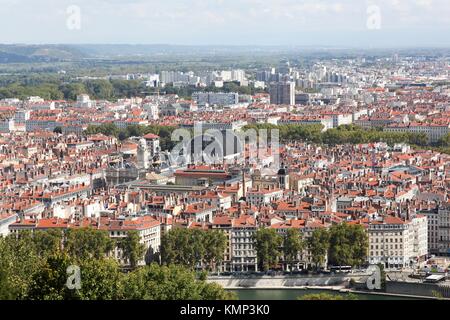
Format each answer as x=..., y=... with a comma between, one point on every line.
x=283, y=177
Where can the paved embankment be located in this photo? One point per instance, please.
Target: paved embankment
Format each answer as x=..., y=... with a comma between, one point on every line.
x=284, y=282
x=330, y=282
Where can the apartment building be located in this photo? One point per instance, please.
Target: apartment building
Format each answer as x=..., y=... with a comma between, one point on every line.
x=148, y=229
x=215, y=98
x=262, y=196
x=243, y=253
x=398, y=243
x=443, y=226
x=433, y=131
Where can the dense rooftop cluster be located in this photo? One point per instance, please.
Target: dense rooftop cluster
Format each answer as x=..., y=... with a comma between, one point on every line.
x=93, y=163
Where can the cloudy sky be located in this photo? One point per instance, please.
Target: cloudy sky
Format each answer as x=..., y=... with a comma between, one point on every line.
x=361, y=23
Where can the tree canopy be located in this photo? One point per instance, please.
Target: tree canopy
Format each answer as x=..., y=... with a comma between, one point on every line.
x=193, y=248
x=293, y=244
x=318, y=244
x=348, y=245
x=34, y=266
x=346, y=134
x=268, y=248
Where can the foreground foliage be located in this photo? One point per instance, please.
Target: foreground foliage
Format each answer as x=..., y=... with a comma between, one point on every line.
x=35, y=266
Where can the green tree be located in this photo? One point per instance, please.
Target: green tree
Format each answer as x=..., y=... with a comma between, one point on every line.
x=100, y=89
x=172, y=282
x=345, y=134
x=133, y=250
x=18, y=262
x=193, y=247
x=292, y=246
x=49, y=282
x=169, y=252
x=318, y=244
x=72, y=90
x=48, y=242
x=215, y=244
x=101, y=279
x=267, y=244
x=85, y=243
x=348, y=245
x=177, y=248
x=444, y=141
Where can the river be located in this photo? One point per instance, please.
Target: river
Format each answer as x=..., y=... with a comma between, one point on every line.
x=293, y=294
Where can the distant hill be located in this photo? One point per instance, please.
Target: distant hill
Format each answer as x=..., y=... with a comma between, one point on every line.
x=23, y=53
x=39, y=53
x=72, y=52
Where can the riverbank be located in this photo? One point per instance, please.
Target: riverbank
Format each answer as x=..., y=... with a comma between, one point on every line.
x=297, y=294
x=288, y=281
x=335, y=283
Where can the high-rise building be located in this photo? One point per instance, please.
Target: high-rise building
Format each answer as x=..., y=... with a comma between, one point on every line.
x=282, y=93
x=238, y=75
x=284, y=67
x=263, y=75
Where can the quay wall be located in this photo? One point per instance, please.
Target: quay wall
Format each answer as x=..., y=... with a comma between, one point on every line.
x=280, y=282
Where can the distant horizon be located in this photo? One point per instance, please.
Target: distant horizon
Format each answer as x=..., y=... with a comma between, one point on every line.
x=284, y=46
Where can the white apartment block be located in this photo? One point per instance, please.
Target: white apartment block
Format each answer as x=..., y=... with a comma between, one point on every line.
x=326, y=122
x=213, y=98
x=175, y=76
x=397, y=243
x=262, y=196
x=243, y=253
x=153, y=146
x=149, y=231
x=342, y=119
x=433, y=229
x=434, y=132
